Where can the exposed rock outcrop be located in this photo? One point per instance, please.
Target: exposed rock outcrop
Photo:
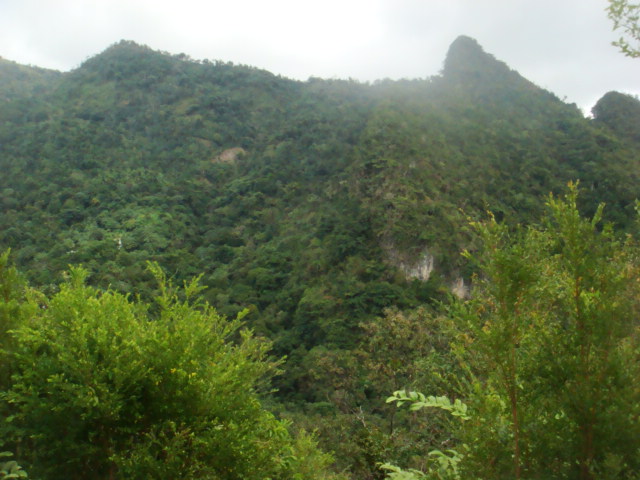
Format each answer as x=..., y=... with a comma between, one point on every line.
x=230, y=155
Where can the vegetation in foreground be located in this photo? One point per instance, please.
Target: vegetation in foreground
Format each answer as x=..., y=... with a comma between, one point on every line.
x=542, y=361
x=98, y=385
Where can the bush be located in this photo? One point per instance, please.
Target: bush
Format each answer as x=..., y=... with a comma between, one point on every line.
x=108, y=387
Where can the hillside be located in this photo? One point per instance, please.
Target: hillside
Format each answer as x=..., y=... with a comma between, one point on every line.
x=316, y=204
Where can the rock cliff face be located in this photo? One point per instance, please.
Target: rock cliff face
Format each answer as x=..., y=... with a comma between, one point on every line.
x=421, y=269
x=230, y=155
x=413, y=267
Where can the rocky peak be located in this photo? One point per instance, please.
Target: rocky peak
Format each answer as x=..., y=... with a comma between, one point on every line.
x=466, y=60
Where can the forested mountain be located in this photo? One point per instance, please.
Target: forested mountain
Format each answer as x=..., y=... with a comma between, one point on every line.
x=317, y=205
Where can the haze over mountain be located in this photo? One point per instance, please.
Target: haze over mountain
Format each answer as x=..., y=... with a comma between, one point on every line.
x=367, y=41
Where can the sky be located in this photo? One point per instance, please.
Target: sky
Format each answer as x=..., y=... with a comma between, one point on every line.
x=561, y=45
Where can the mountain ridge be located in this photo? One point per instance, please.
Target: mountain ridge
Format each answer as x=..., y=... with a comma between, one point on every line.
x=221, y=106
x=348, y=199
x=462, y=46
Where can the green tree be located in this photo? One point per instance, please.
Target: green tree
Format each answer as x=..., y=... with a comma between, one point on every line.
x=106, y=387
x=503, y=323
x=13, y=310
x=550, y=341
x=549, y=347
x=593, y=352
x=626, y=17
x=621, y=113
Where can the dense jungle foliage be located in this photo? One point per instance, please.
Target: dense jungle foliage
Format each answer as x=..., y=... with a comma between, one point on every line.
x=331, y=216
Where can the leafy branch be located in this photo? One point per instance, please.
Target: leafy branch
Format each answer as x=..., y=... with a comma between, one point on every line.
x=626, y=17
x=10, y=468
x=444, y=465
x=419, y=401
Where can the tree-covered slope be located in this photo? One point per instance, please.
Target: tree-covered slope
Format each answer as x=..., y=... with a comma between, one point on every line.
x=621, y=113
x=316, y=204
x=20, y=82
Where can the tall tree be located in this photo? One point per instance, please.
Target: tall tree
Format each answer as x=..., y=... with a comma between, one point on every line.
x=550, y=341
x=550, y=344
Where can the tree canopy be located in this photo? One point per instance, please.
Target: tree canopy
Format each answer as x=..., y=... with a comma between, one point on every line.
x=103, y=386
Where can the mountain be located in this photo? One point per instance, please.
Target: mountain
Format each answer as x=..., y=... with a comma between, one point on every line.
x=269, y=185
x=467, y=62
x=123, y=160
x=319, y=206
x=315, y=204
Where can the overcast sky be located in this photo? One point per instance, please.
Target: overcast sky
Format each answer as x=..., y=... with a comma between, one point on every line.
x=561, y=45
